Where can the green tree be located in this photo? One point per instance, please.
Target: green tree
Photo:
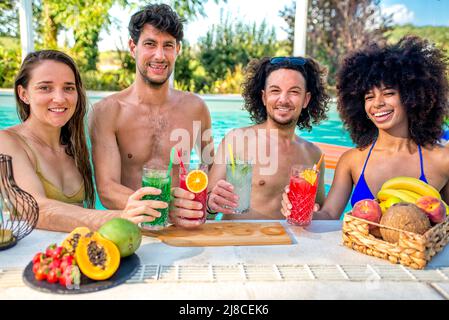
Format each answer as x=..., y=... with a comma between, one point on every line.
x=9, y=63
x=189, y=73
x=190, y=9
x=9, y=21
x=288, y=14
x=335, y=27
x=233, y=43
x=87, y=18
x=9, y=43
x=438, y=35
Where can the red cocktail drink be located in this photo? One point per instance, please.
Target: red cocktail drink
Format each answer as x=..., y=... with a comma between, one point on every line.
x=199, y=196
x=303, y=189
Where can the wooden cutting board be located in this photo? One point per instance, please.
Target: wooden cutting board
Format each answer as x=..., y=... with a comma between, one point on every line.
x=224, y=234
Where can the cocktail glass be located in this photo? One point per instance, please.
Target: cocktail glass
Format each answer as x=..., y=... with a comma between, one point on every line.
x=240, y=176
x=303, y=188
x=200, y=196
x=157, y=177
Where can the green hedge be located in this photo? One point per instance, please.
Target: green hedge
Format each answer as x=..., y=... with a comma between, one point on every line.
x=10, y=59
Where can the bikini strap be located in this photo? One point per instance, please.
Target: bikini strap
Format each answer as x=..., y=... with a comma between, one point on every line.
x=21, y=138
x=421, y=162
x=369, y=154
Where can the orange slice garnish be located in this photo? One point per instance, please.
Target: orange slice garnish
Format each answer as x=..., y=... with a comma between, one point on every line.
x=196, y=181
x=309, y=175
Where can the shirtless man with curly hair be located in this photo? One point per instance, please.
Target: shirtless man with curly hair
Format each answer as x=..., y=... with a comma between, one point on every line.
x=281, y=94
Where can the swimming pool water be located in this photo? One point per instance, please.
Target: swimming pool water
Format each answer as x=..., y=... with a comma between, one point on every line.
x=226, y=114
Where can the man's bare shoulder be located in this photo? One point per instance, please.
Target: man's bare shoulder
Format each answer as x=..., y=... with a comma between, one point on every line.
x=242, y=131
x=190, y=99
x=110, y=103
x=108, y=108
x=309, y=147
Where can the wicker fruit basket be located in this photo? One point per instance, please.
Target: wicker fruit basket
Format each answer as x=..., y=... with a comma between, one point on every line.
x=412, y=250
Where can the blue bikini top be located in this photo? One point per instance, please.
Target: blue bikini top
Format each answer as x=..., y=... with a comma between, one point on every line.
x=362, y=191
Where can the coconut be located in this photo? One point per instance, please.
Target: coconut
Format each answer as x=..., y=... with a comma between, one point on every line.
x=403, y=216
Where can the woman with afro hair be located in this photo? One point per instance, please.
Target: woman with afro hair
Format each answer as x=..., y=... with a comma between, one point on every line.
x=393, y=100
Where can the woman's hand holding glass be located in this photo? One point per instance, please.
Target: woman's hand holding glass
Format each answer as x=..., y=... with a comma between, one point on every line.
x=138, y=210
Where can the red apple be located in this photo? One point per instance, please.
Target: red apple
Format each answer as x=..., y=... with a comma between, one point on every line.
x=433, y=207
x=369, y=210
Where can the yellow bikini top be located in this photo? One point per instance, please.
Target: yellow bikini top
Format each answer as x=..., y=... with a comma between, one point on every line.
x=51, y=191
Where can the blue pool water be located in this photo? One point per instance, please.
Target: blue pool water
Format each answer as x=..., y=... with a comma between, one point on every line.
x=226, y=113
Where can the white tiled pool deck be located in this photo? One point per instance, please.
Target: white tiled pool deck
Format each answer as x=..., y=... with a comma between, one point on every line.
x=315, y=266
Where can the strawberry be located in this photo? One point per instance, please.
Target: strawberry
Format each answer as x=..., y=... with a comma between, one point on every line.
x=66, y=261
x=46, y=261
x=36, y=266
x=50, y=249
x=38, y=257
x=59, y=252
x=54, y=275
x=41, y=273
x=54, y=251
x=55, y=263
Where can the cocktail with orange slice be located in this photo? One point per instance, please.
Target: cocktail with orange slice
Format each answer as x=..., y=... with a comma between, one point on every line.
x=194, y=179
x=303, y=189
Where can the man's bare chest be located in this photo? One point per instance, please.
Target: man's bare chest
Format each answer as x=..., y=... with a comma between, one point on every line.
x=274, y=174
x=143, y=139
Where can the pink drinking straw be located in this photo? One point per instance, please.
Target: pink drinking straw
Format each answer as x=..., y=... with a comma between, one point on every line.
x=183, y=169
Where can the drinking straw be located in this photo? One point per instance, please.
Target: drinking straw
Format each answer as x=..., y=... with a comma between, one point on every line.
x=170, y=164
x=183, y=169
x=232, y=158
x=317, y=166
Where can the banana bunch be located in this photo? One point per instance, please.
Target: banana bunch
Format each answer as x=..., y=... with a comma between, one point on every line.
x=405, y=189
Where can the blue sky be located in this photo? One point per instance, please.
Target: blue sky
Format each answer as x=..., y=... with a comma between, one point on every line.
x=417, y=12
x=420, y=12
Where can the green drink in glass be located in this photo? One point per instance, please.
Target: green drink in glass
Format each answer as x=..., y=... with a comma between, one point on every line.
x=159, y=178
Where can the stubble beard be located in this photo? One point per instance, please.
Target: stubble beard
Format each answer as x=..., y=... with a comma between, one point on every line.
x=152, y=83
x=283, y=124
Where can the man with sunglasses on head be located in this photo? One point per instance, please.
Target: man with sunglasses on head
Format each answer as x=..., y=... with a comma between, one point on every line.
x=281, y=94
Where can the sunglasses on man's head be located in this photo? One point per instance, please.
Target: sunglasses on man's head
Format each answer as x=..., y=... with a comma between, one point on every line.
x=296, y=61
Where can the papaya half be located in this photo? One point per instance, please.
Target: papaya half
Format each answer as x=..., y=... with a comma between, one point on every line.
x=98, y=258
x=71, y=242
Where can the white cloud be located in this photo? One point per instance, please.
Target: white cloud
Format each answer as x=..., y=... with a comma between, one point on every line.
x=400, y=13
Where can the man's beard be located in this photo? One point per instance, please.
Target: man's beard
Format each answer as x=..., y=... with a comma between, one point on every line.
x=283, y=124
x=152, y=83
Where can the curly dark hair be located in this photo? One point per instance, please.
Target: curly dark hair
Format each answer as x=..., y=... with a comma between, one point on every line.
x=257, y=73
x=413, y=66
x=160, y=16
